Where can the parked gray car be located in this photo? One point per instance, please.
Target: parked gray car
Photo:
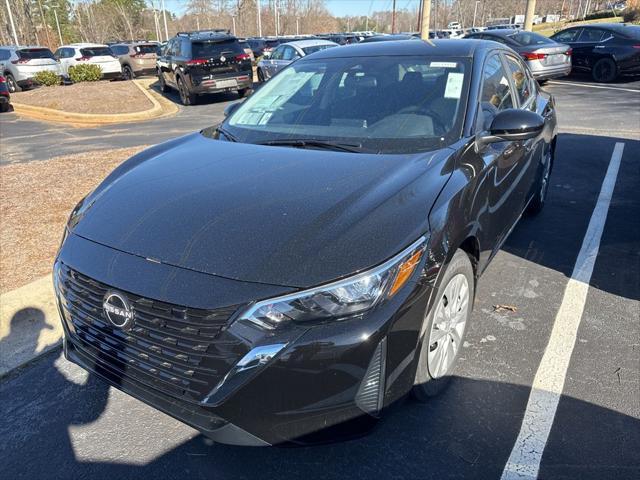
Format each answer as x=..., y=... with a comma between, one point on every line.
x=136, y=58
x=544, y=57
x=19, y=64
x=287, y=53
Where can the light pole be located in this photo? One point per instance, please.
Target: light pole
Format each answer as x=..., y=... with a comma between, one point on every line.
x=164, y=17
x=297, y=25
x=259, y=17
x=233, y=20
x=55, y=14
x=475, y=11
x=13, y=27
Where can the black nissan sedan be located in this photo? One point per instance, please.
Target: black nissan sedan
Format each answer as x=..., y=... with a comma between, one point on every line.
x=289, y=274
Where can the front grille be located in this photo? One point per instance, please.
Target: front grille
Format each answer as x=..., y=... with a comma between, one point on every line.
x=181, y=351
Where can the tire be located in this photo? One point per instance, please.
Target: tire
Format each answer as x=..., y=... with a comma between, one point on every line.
x=4, y=107
x=604, y=70
x=12, y=85
x=242, y=92
x=442, y=332
x=542, y=185
x=261, y=78
x=161, y=83
x=127, y=73
x=186, y=97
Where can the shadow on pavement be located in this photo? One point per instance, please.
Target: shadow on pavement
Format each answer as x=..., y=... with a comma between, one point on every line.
x=554, y=237
x=467, y=432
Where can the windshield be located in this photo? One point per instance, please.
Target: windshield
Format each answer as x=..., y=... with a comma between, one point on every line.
x=33, y=53
x=525, y=39
x=146, y=49
x=96, y=52
x=214, y=49
x=316, y=48
x=385, y=104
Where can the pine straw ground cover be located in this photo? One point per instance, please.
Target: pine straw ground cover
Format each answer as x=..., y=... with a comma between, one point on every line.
x=35, y=201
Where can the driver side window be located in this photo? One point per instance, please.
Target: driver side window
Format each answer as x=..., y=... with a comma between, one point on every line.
x=495, y=94
x=277, y=54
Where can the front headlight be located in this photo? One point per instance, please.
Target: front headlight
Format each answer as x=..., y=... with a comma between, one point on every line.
x=343, y=298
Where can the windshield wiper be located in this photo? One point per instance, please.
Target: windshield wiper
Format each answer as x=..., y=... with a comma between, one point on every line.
x=325, y=144
x=230, y=137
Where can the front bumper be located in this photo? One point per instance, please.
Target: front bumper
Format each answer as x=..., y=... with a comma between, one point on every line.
x=305, y=394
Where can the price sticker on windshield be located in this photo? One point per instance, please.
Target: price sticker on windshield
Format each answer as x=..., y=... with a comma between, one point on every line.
x=454, y=85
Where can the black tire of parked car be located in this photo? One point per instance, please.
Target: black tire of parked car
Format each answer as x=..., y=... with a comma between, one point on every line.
x=186, y=97
x=261, y=78
x=242, y=92
x=604, y=70
x=4, y=107
x=127, y=73
x=12, y=85
x=542, y=186
x=426, y=386
x=161, y=83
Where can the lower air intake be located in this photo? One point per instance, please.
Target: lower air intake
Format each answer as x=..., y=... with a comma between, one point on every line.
x=370, y=395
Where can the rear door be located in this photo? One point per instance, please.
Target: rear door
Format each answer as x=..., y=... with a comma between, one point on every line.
x=101, y=56
x=587, y=48
x=164, y=61
x=218, y=59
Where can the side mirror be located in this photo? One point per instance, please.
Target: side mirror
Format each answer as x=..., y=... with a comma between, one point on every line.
x=232, y=107
x=512, y=125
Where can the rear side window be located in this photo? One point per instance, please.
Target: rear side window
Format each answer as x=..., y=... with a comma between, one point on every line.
x=33, y=53
x=496, y=91
x=591, y=35
x=570, y=35
x=316, y=48
x=95, y=52
x=520, y=80
x=215, y=49
x=5, y=54
x=525, y=39
x=142, y=49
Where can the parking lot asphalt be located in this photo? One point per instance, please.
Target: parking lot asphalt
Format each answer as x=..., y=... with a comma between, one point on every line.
x=60, y=423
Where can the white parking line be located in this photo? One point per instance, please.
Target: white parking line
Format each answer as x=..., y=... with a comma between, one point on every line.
x=524, y=461
x=595, y=86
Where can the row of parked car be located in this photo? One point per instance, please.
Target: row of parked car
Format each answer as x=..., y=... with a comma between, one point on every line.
x=211, y=61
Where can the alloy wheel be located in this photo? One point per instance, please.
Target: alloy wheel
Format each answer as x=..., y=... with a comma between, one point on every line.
x=448, y=326
x=11, y=84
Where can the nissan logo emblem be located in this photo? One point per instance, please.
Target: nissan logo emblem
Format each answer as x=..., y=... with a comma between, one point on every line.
x=117, y=310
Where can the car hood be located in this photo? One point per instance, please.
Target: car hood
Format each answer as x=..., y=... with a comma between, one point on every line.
x=277, y=215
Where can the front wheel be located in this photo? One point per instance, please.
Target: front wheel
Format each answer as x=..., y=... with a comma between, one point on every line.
x=605, y=70
x=444, y=327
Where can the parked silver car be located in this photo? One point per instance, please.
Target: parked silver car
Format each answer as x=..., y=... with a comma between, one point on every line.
x=19, y=64
x=287, y=53
x=136, y=58
x=544, y=57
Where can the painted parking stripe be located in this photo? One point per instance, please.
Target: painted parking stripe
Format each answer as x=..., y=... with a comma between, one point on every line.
x=524, y=461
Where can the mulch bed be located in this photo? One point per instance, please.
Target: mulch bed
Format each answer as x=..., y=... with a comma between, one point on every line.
x=88, y=97
x=35, y=201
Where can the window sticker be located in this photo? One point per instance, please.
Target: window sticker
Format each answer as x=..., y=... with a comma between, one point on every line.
x=443, y=64
x=454, y=85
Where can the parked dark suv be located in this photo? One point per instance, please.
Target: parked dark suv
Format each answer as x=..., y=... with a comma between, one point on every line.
x=200, y=62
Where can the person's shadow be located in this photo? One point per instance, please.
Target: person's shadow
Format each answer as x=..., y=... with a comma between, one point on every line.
x=53, y=396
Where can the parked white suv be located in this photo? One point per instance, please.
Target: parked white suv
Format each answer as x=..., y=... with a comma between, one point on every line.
x=92, y=53
x=19, y=64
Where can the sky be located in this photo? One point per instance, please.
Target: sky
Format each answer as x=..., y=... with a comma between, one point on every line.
x=339, y=8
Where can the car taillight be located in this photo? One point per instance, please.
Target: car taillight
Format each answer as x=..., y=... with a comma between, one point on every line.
x=637, y=46
x=2, y=79
x=569, y=52
x=20, y=60
x=196, y=61
x=533, y=56
x=242, y=56
x=83, y=59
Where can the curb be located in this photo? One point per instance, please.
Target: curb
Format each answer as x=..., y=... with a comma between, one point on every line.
x=161, y=108
x=29, y=324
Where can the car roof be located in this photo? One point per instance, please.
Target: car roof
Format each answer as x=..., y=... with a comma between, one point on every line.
x=501, y=32
x=83, y=45
x=22, y=47
x=415, y=47
x=616, y=27
x=309, y=43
